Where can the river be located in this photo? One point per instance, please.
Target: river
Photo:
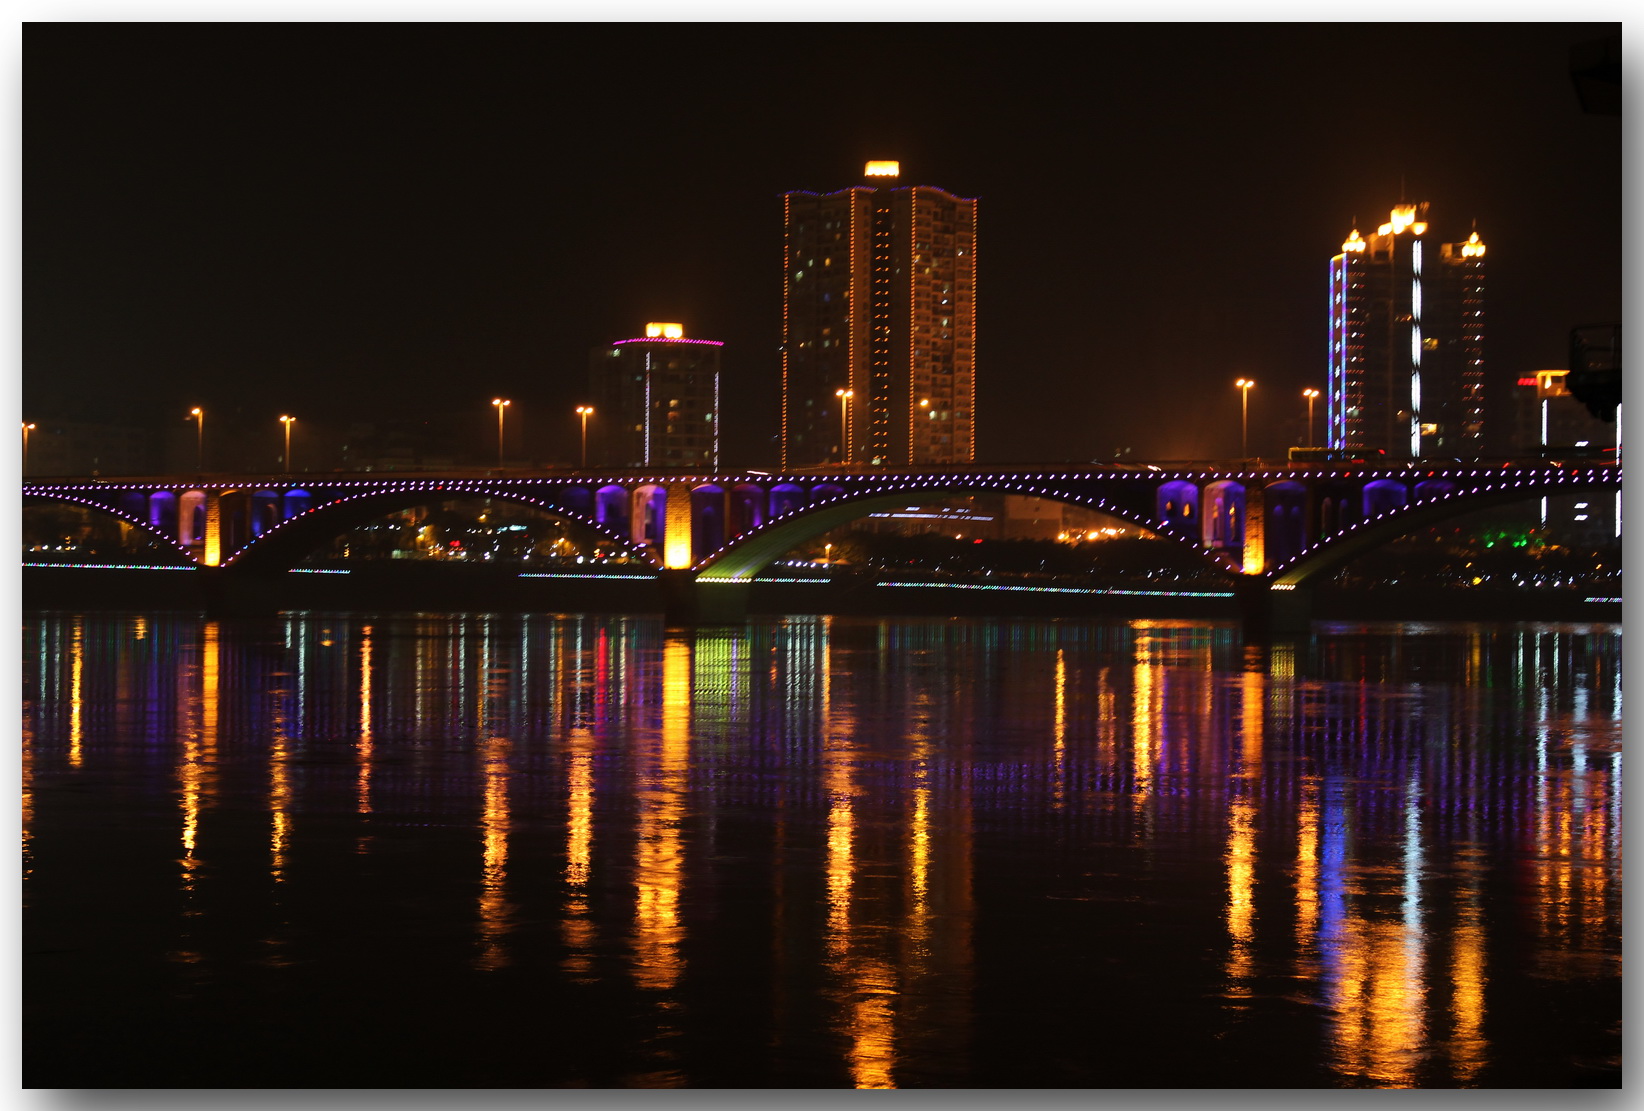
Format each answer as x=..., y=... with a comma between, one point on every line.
x=552, y=851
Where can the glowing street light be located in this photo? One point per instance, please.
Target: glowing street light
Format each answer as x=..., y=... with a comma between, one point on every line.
x=27, y=428
x=585, y=411
x=1311, y=396
x=199, y=439
x=501, y=405
x=844, y=397
x=1243, y=385
x=288, y=422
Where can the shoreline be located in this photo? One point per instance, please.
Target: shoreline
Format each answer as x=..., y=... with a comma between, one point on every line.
x=413, y=588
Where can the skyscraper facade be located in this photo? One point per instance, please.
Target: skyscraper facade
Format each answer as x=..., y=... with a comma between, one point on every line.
x=878, y=324
x=1406, y=344
x=656, y=400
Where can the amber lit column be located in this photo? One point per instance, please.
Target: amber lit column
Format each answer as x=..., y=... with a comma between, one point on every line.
x=195, y=769
x=495, y=913
x=77, y=671
x=659, y=865
x=363, y=747
x=1255, y=528
x=1240, y=857
x=212, y=554
x=676, y=528
x=577, y=928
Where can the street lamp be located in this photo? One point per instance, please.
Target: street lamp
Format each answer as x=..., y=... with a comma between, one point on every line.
x=288, y=422
x=585, y=411
x=1311, y=395
x=1244, y=385
x=844, y=397
x=199, y=439
x=501, y=405
x=27, y=428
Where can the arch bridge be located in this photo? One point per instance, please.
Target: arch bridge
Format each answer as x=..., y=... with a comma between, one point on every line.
x=1270, y=528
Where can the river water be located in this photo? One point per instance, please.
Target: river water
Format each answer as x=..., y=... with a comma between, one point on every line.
x=340, y=850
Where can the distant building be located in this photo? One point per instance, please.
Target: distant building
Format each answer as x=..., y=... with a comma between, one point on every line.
x=656, y=401
x=878, y=324
x=73, y=448
x=1406, y=346
x=1549, y=421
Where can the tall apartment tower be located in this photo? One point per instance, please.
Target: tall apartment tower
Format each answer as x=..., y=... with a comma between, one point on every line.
x=878, y=324
x=656, y=400
x=1407, y=341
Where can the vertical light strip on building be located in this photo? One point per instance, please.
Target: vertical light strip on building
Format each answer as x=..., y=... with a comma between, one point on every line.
x=1333, y=348
x=1415, y=349
x=647, y=406
x=851, y=303
x=787, y=222
x=975, y=279
x=1545, y=401
x=913, y=323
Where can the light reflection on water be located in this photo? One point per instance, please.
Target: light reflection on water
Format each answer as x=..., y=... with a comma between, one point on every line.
x=558, y=851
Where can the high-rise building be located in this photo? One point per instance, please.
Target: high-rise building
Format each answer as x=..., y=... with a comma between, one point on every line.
x=1407, y=341
x=656, y=400
x=878, y=324
x=1550, y=423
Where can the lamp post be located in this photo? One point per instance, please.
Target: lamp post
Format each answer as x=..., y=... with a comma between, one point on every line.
x=288, y=422
x=585, y=411
x=844, y=397
x=1311, y=396
x=1244, y=385
x=27, y=428
x=501, y=405
x=199, y=436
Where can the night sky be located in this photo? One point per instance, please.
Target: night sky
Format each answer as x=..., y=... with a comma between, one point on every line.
x=350, y=222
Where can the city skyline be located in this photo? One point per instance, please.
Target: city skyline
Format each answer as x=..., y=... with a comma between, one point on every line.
x=374, y=241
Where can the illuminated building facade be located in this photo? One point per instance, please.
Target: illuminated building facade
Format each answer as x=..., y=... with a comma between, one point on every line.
x=656, y=401
x=878, y=324
x=1407, y=341
x=1549, y=421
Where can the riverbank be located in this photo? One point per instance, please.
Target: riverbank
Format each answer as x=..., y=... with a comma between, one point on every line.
x=444, y=588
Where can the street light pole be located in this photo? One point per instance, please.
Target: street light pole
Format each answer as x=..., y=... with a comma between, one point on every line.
x=501, y=405
x=585, y=411
x=844, y=397
x=288, y=422
x=199, y=438
x=1311, y=395
x=1244, y=385
x=27, y=428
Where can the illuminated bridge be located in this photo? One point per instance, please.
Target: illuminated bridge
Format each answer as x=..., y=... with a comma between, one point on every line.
x=1270, y=528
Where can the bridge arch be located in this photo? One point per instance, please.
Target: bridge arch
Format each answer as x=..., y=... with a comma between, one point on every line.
x=1333, y=551
x=138, y=514
x=285, y=544
x=745, y=556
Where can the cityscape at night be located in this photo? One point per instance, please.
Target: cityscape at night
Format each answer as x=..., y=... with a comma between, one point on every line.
x=939, y=555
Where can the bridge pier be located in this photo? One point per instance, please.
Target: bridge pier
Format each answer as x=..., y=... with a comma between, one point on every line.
x=1268, y=611
x=688, y=600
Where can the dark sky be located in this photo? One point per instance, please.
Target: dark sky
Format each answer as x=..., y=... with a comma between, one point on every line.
x=350, y=221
